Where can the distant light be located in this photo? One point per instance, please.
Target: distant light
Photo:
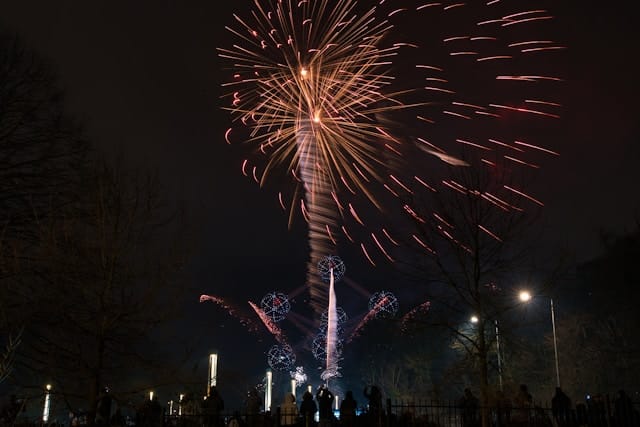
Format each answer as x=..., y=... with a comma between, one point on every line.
x=150, y=395
x=524, y=296
x=213, y=371
x=47, y=404
x=474, y=319
x=267, y=391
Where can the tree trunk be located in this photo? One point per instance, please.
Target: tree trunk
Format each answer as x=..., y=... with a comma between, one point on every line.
x=484, y=381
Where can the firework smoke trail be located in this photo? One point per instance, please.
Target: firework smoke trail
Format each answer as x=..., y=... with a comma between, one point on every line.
x=252, y=327
x=269, y=324
x=332, y=336
x=318, y=208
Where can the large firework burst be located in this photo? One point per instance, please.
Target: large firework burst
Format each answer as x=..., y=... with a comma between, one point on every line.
x=313, y=78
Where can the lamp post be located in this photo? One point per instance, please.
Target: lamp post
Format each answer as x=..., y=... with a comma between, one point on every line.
x=47, y=404
x=267, y=391
x=525, y=297
x=474, y=319
x=499, y=357
x=213, y=372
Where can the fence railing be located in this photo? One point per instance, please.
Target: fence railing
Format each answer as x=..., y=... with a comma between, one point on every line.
x=397, y=413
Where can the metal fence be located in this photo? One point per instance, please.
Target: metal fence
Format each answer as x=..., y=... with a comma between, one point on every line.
x=397, y=413
x=429, y=413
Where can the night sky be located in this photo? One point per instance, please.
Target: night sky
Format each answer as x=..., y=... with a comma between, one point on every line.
x=145, y=79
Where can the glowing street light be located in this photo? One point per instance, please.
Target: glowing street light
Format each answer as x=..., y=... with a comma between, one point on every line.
x=525, y=296
x=474, y=320
x=267, y=391
x=180, y=404
x=213, y=372
x=47, y=404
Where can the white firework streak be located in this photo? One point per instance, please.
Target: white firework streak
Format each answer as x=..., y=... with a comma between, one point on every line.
x=332, y=369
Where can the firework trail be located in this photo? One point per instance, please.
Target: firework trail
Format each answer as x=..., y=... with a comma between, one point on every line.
x=309, y=83
x=332, y=369
x=233, y=312
x=312, y=86
x=410, y=316
x=269, y=324
x=368, y=317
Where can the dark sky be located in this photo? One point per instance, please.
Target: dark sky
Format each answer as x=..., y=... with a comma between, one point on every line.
x=145, y=78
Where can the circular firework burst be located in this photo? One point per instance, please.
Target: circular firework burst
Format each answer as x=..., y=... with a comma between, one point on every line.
x=341, y=319
x=299, y=376
x=275, y=305
x=319, y=346
x=331, y=263
x=383, y=304
x=281, y=357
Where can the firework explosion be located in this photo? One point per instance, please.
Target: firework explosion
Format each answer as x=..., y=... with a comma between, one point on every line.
x=314, y=91
x=312, y=85
x=309, y=83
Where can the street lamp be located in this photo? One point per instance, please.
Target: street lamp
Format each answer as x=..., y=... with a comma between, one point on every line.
x=525, y=297
x=213, y=372
x=47, y=404
x=474, y=320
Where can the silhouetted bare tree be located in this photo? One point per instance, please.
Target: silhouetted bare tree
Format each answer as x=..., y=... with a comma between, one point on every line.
x=471, y=240
x=41, y=161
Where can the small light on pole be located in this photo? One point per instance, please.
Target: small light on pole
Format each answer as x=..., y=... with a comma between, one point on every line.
x=47, y=404
x=267, y=391
x=474, y=319
x=213, y=372
x=525, y=296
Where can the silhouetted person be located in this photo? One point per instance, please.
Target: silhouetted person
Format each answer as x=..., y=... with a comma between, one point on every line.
x=597, y=414
x=503, y=409
x=213, y=407
x=252, y=407
x=10, y=411
x=324, y=397
x=103, y=410
x=522, y=405
x=308, y=409
x=149, y=414
x=235, y=420
x=469, y=408
x=561, y=407
x=374, y=395
x=288, y=410
x=348, y=410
